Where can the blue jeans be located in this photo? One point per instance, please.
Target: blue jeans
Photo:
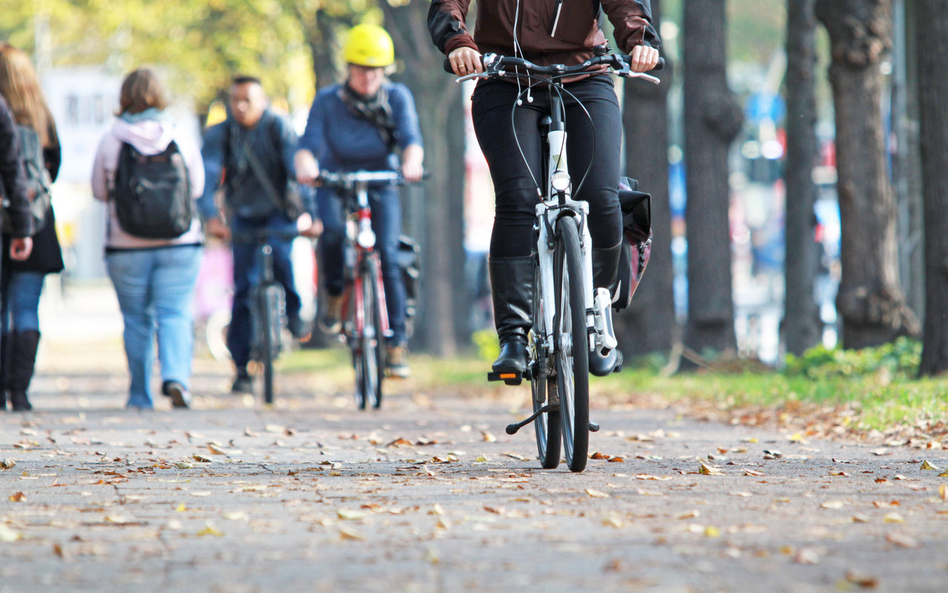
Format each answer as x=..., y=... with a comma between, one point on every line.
x=247, y=274
x=20, y=303
x=387, y=224
x=155, y=288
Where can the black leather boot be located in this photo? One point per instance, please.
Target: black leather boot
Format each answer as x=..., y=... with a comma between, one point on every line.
x=6, y=343
x=605, y=263
x=20, y=372
x=511, y=281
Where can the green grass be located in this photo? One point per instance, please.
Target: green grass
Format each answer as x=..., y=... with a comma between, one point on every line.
x=877, y=385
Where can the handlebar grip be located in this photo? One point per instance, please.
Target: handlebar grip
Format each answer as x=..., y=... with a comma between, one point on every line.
x=447, y=66
x=660, y=65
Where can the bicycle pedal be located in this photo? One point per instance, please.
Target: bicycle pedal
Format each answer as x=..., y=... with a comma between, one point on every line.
x=510, y=378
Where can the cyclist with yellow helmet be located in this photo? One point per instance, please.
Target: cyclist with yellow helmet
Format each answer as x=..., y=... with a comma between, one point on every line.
x=365, y=123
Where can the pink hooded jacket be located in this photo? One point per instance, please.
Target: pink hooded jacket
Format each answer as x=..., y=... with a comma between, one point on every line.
x=148, y=136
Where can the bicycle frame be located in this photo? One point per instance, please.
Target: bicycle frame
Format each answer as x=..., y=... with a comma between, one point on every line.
x=361, y=237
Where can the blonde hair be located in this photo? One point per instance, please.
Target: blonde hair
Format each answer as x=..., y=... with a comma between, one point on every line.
x=141, y=90
x=19, y=85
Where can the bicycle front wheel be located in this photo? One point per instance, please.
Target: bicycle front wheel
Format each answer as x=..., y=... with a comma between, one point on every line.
x=271, y=338
x=571, y=344
x=543, y=385
x=369, y=365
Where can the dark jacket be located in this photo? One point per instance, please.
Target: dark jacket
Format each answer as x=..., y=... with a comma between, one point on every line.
x=273, y=142
x=577, y=28
x=13, y=176
x=47, y=254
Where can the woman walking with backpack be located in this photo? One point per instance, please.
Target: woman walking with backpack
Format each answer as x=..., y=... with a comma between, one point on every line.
x=21, y=282
x=152, y=256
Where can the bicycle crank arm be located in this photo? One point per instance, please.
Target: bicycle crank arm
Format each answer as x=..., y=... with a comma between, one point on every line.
x=513, y=428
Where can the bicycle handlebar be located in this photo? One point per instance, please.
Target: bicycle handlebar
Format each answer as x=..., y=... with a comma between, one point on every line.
x=495, y=64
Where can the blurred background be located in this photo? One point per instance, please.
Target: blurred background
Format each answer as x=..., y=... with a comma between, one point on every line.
x=738, y=148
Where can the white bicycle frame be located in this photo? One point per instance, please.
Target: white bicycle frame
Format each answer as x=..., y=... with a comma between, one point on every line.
x=597, y=303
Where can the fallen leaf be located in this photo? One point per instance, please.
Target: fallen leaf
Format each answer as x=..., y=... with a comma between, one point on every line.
x=901, y=540
x=8, y=535
x=236, y=516
x=7, y=463
x=833, y=504
x=598, y=455
x=943, y=474
x=399, y=442
x=707, y=470
x=807, y=556
x=351, y=515
x=488, y=437
x=929, y=466
x=181, y=508
x=862, y=579
x=436, y=510
x=612, y=521
x=443, y=523
x=744, y=494
x=210, y=530
x=751, y=472
x=18, y=497
x=616, y=459
x=893, y=518
x=648, y=477
x=688, y=515
x=711, y=531
x=596, y=493
x=201, y=458
x=432, y=556
x=250, y=433
x=215, y=449
x=882, y=452
x=839, y=473
x=943, y=491
x=184, y=465
x=480, y=459
x=349, y=534
x=860, y=518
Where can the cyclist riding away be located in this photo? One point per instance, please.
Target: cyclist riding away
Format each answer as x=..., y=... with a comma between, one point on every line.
x=363, y=124
x=544, y=33
x=251, y=155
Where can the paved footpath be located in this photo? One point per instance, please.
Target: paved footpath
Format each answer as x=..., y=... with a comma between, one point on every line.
x=430, y=495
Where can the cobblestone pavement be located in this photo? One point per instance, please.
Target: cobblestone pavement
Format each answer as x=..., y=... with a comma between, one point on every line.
x=430, y=495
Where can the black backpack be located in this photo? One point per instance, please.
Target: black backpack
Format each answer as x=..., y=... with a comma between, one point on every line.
x=636, y=241
x=152, y=193
x=38, y=179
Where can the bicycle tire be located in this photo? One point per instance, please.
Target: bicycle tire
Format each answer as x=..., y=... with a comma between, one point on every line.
x=543, y=386
x=270, y=335
x=379, y=346
x=571, y=343
x=369, y=370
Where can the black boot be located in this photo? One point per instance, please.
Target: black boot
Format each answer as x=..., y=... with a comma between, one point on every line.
x=22, y=362
x=5, y=345
x=605, y=264
x=511, y=280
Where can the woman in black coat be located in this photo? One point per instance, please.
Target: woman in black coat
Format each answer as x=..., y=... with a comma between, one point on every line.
x=21, y=282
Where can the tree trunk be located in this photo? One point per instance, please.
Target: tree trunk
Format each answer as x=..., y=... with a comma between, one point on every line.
x=801, y=312
x=649, y=324
x=712, y=120
x=445, y=302
x=870, y=302
x=932, y=30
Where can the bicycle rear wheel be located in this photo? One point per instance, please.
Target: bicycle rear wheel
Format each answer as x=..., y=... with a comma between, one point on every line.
x=571, y=344
x=543, y=385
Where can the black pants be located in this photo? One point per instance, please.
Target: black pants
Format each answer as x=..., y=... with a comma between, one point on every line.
x=514, y=186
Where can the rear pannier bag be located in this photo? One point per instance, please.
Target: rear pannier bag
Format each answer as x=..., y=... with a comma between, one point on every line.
x=637, y=241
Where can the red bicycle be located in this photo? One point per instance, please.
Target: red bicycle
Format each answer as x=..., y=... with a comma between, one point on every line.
x=365, y=316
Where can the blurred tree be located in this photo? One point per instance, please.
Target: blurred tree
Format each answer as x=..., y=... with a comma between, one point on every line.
x=713, y=118
x=649, y=324
x=870, y=302
x=445, y=301
x=197, y=46
x=801, y=312
x=932, y=60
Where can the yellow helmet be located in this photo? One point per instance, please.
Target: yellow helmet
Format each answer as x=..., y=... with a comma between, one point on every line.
x=369, y=45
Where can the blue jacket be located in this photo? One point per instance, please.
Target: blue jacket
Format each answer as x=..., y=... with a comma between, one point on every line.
x=274, y=143
x=343, y=142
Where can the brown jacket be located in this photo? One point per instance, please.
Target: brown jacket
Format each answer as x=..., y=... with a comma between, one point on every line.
x=577, y=28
